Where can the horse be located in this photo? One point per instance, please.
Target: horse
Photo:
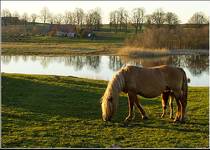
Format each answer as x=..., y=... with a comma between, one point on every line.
x=168, y=95
x=148, y=82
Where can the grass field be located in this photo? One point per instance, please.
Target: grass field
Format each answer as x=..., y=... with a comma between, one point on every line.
x=105, y=43
x=74, y=48
x=54, y=111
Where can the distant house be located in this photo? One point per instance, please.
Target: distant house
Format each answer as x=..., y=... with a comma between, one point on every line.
x=66, y=30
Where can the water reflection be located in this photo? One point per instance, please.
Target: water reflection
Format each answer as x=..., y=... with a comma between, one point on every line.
x=115, y=62
x=102, y=67
x=197, y=64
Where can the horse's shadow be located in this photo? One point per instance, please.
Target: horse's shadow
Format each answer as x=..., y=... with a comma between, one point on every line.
x=45, y=101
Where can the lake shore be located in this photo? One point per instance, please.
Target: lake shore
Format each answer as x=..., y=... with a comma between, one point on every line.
x=58, y=111
x=89, y=48
x=82, y=48
x=135, y=52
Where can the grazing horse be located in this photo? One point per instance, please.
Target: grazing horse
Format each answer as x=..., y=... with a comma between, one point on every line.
x=147, y=82
x=168, y=95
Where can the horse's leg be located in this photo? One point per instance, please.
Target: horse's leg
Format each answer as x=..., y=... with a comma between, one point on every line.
x=163, y=105
x=131, y=98
x=171, y=106
x=140, y=108
x=177, y=96
x=183, y=107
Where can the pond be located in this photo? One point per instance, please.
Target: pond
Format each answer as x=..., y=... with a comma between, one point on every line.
x=103, y=67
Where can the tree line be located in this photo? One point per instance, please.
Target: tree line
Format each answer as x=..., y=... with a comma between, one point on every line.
x=119, y=19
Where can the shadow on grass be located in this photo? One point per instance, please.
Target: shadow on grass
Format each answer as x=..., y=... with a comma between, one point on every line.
x=53, y=100
x=71, y=98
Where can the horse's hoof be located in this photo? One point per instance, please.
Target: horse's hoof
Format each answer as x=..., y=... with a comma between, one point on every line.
x=176, y=120
x=162, y=116
x=128, y=119
x=171, y=117
x=145, y=118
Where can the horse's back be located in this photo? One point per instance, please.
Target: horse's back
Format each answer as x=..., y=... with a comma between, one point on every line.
x=153, y=80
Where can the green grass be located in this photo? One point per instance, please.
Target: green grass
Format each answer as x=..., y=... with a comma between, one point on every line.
x=105, y=43
x=78, y=48
x=54, y=111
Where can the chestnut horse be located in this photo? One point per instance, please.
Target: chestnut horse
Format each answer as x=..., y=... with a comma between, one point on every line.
x=168, y=97
x=147, y=82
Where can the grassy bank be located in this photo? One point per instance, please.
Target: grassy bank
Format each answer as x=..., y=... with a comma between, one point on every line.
x=106, y=42
x=56, y=111
x=74, y=48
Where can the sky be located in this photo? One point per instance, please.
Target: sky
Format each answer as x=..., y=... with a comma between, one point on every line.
x=184, y=9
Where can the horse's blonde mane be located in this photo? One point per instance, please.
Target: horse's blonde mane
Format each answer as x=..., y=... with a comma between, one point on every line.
x=115, y=86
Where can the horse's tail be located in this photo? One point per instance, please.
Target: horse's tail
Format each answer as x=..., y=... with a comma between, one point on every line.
x=185, y=87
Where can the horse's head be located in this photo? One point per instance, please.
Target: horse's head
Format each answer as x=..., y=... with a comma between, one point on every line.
x=107, y=108
x=109, y=101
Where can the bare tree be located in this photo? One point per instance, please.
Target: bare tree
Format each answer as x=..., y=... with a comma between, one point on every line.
x=34, y=17
x=198, y=18
x=16, y=14
x=138, y=18
x=122, y=16
x=158, y=17
x=68, y=17
x=93, y=18
x=114, y=20
x=97, y=18
x=171, y=18
x=148, y=19
x=44, y=14
x=6, y=13
x=51, y=18
x=79, y=16
x=25, y=18
x=126, y=20
x=89, y=20
x=58, y=18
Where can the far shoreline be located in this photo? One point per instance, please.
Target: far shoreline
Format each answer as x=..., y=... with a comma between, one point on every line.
x=53, y=49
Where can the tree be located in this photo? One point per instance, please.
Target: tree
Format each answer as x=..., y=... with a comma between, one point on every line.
x=148, y=19
x=93, y=19
x=122, y=15
x=51, y=18
x=16, y=14
x=198, y=18
x=79, y=16
x=114, y=20
x=68, y=17
x=34, y=17
x=171, y=18
x=58, y=18
x=6, y=13
x=25, y=18
x=97, y=19
x=138, y=18
x=158, y=17
x=44, y=14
